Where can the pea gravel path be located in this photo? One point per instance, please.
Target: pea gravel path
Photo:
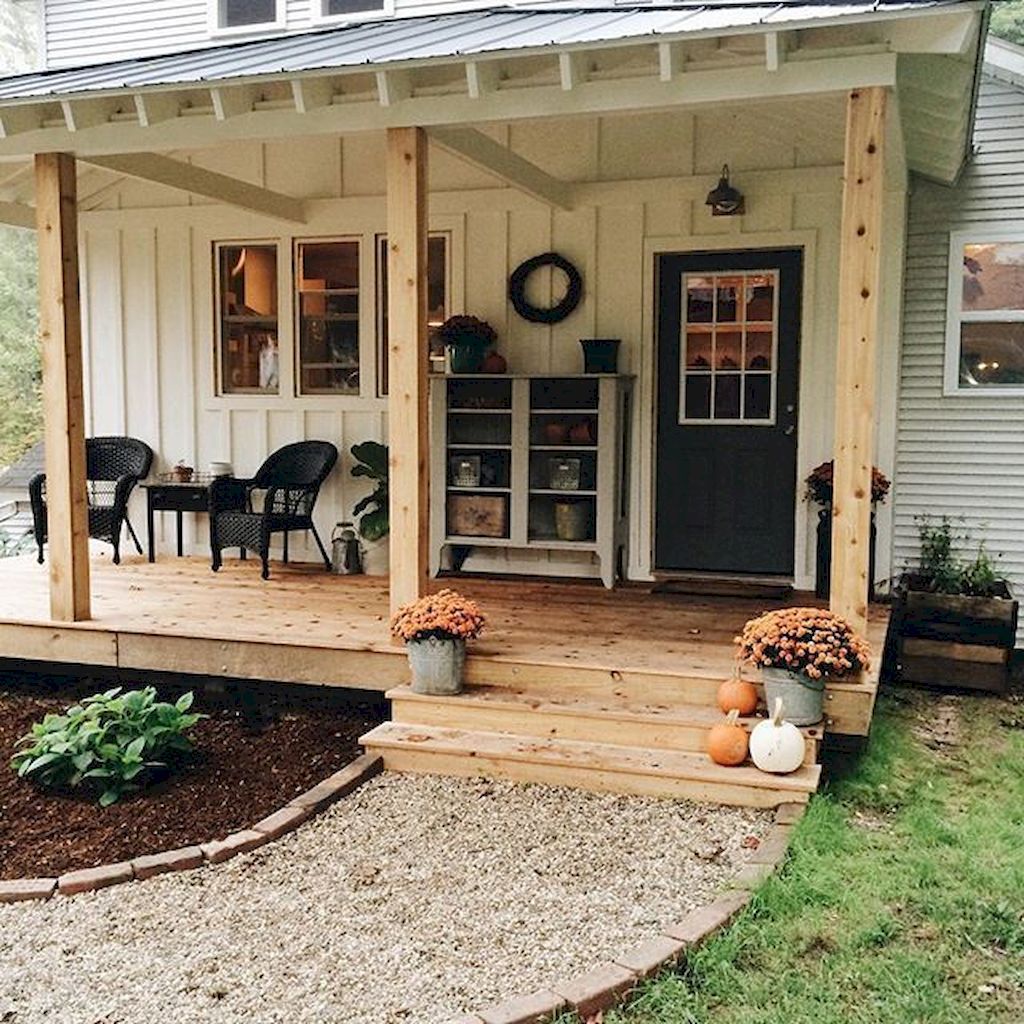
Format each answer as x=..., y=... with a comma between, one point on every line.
x=414, y=900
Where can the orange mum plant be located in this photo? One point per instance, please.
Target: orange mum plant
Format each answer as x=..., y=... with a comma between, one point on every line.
x=446, y=615
x=810, y=640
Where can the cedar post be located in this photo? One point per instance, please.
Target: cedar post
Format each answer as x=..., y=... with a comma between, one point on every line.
x=407, y=362
x=859, y=282
x=60, y=325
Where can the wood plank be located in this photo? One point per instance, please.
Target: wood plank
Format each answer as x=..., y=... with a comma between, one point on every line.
x=860, y=262
x=971, y=675
x=60, y=328
x=915, y=646
x=58, y=644
x=408, y=363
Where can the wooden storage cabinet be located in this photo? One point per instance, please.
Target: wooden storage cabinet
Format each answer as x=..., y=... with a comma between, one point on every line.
x=530, y=462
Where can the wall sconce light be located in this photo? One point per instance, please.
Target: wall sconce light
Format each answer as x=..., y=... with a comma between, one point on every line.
x=724, y=200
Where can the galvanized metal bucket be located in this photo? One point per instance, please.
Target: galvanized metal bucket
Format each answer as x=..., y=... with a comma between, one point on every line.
x=803, y=698
x=436, y=666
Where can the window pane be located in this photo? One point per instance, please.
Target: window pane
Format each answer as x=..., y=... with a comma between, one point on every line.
x=993, y=276
x=991, y=354
x=247, y=12
x=698, y=397
x=437, y=298
x=352, y=6
x=328, y=309
x=247, y=314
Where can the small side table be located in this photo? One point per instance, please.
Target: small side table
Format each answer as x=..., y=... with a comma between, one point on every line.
x=170, y=496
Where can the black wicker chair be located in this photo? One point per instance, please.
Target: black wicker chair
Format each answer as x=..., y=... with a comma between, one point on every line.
x=113, y=466
x=290, y=481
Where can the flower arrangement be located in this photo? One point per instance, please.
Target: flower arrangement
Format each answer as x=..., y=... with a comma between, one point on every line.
x=468, y=330
x=819, y=485
x=446, y=615
x=814, y=641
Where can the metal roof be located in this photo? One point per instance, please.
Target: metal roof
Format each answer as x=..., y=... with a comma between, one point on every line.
x=491, y=31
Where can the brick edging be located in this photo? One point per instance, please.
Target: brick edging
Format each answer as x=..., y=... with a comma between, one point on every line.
x=600, y=988
x=294, y=813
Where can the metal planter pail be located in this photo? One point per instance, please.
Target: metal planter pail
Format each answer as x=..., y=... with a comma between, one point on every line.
x=803, y=698
x=436, y=665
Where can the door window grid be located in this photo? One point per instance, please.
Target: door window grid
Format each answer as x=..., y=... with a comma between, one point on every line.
x=729, y=348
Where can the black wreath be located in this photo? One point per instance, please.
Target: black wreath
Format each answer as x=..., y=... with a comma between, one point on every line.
x=537, y=314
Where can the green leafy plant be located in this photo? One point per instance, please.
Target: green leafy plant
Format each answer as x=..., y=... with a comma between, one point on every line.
x=942, y=571
x=113, y=742
x=372, y=462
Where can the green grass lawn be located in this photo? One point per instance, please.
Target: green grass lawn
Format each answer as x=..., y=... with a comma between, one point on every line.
x=903, y=897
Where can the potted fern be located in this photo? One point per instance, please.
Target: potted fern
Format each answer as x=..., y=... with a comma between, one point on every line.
x=372, y=510
x=955, y=617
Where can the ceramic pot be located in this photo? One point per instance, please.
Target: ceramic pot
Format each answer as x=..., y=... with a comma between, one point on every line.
x=436, y=666
x=466, y=356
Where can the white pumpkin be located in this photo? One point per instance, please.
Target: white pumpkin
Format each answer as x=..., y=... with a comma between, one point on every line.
x=777, y=745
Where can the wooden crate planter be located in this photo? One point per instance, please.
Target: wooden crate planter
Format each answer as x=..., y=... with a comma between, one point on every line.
x=954, y=641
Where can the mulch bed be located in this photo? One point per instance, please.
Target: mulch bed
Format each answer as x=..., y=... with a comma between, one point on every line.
x=249, y=762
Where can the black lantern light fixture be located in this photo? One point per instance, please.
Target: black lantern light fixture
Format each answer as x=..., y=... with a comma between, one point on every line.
x=724, y=199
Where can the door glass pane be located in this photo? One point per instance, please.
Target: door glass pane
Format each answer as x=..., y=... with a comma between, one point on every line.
x=730, y=291
x=698, y=350
x=727, y=396
x=698, y=397
x=757, y=400
x=247, y=318
x=328, y=309
x=991, y=355
x=760, y=298
x=700, y=300
x=759, y=350
x=993, y=276
x=728, y=350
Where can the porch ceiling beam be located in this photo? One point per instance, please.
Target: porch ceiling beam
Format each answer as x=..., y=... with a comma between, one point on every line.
x=162, y=170
x=860, y=263
x=82, y=114
x=232, y=100
x=572, y=70
x=14, y=120
x=670, y=61
x=776, y=45
x=310, y=94
x=482, y=77
x=18, y=215
x=643, y=92
x=482, y=151
x=155, y=108
x=393, y=87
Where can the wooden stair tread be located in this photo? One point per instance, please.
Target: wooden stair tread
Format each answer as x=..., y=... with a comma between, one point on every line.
x=509, y=699
x=558, y=753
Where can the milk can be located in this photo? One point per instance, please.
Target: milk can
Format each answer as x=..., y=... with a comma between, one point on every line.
x=346, y=554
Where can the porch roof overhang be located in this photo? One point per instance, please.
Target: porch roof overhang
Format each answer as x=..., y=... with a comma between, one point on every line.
x=497, y=64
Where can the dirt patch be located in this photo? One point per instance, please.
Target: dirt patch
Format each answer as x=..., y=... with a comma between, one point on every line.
x=245, y=767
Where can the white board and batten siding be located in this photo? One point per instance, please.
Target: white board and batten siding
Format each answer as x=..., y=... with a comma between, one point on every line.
x=149, y=291
x=961, y=455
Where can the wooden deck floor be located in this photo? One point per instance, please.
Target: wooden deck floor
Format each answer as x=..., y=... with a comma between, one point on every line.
x=306, y=626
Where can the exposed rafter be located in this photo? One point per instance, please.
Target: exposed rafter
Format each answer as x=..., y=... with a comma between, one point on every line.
x=393, y=87
x=17, y=215
x=776, y=45
x=572, y=70
x=311, y=94
x=232, y=101
x=482, y=77
x=482, y=151
x=153, y=108
x=163, y=170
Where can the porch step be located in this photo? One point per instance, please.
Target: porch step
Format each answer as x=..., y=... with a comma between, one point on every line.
x=601, y=767
x=679, y=727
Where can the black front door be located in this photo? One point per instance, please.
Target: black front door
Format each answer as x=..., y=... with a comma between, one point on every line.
x=728, y=341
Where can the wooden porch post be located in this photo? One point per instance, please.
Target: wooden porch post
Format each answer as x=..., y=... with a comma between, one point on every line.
x=60, y=325
x=859, y=281
x=407, y=362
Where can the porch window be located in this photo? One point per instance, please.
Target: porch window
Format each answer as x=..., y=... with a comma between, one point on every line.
x=226, y=15
x=985, y=338
x=729, y=354
x=438, y=298
x=247, y=301
x=327, y=307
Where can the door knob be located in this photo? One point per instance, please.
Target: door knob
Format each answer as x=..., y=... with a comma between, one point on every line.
x=789, y=430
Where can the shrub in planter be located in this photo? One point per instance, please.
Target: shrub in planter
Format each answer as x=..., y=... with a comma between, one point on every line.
x=955, y=618
x=374, y=525
x=468, y=340
x=112, y=742
x=435, y=630
x=798, y=650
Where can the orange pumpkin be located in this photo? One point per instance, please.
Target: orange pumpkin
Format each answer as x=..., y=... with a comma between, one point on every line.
x=739, y=694
x=728, y=741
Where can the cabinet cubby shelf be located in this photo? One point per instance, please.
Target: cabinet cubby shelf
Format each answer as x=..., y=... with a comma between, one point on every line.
x=530, y=518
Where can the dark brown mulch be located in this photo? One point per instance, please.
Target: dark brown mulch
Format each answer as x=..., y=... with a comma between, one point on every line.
x=242, y=771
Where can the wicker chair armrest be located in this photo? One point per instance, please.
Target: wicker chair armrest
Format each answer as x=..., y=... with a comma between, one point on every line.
x=229, y=494
x=123, y=489
x=35, y=488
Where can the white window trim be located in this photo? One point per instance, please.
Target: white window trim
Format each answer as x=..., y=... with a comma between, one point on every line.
x=219, y=31
x=955, y=317
x=322, y=18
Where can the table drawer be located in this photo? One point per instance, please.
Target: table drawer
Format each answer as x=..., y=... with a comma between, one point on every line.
x=179, y=499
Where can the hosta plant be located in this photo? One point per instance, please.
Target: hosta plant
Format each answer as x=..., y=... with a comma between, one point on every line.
x=112, y=742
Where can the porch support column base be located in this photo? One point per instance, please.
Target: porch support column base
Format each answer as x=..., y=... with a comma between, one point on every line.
x=856, y=355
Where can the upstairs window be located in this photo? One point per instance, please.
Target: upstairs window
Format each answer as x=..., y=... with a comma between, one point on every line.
x=241, y=15
x=985, y=316
x=336, y=10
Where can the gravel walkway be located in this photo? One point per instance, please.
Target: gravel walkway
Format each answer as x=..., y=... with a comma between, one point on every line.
x=414, y=900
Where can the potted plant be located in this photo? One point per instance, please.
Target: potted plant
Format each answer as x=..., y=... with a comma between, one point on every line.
x=372, y=462
x=954, y=618
x=468, y=340
x=435, y=630
x=819, y=492
x=798, y=650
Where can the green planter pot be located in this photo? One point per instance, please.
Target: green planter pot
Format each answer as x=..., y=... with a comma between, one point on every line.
x=466, y=356
x=803, y=698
